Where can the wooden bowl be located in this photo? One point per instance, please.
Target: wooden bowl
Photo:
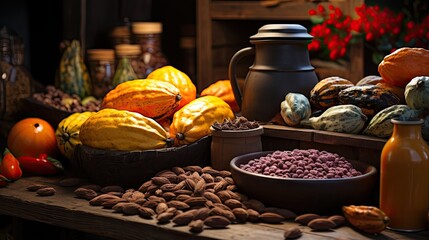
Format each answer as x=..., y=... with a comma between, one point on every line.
x=322, y=196
x=131, y=169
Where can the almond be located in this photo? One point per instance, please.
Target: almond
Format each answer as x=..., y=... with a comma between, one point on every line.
x=202, y=213
x=234, y=203
x=255, y=205
x=207, y=177
x=221, y=185
x=160, y=180
x=253, y=215
x=112, y=188
x=160, y=208
x=168, y=187
x=168, y=196
x=193, y=168
x=212, y=197
x=178, y=205
x=222, y=212
x=109, y=203
x=195, y=201
x=164, y=217
x=130, y=208
x=287, y=214
x=143, y=188
x=178, y=170
x=199, y=187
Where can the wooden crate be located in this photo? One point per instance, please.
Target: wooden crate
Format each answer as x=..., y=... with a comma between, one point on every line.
x=224, y=27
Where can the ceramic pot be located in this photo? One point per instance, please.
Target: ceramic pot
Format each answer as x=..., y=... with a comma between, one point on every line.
x=404, y=177
x=227, y=144
x=281, y=65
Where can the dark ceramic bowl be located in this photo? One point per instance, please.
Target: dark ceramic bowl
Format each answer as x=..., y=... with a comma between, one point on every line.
x=131, y=168
x=323, y=196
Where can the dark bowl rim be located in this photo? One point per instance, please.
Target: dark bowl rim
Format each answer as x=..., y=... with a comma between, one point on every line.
x=370, y=170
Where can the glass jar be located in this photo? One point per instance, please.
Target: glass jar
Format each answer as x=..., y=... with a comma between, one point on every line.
x=121, y=35
x=404, y=177
x=101, y=64
x=127, y=56
x=148, y=36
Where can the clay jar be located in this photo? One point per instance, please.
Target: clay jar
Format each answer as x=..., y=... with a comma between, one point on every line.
x=404, y=177
x=227, y=144
x=281, y=65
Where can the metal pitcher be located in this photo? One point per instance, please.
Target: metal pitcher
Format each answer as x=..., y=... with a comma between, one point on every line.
x=281, y=65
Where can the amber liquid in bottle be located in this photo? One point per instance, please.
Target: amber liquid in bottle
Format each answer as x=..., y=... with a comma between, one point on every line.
x=404, y=177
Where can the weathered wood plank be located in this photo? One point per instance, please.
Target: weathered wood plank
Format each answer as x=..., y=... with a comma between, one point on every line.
x=65, y=210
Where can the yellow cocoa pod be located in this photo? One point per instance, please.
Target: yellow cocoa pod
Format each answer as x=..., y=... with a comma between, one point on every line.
x=67, y=132
x=152, y=98
x=193, y=121
x=122, y=130
x=366, y=218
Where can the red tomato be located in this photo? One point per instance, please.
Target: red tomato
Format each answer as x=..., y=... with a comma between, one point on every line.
x=9, y=166
x=31, y=137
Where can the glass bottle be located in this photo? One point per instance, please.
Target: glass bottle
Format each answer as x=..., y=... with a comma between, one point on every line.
x=121, y=35
x=404, y=177
x=101, y=64
x=148, y=36
x=127, y=58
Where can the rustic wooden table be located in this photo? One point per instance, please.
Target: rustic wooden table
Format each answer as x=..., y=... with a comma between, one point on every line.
x=64, y=209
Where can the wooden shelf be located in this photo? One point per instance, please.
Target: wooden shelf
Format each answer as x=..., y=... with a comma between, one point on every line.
x=224, y=27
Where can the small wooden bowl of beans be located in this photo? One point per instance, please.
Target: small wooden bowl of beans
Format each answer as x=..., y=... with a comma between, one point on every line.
x=304, y=180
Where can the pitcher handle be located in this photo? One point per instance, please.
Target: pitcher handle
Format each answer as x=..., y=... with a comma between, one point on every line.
x=232, y=71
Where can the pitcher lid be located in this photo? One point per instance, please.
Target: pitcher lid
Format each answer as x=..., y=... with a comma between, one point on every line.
x=282, y=31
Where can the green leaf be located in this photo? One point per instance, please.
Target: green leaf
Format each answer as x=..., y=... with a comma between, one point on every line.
x=56, y=163
x=316, y=19
x=377, y=57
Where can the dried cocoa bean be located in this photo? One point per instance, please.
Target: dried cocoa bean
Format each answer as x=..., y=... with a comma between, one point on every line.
x=234, y=203
x=144, y=187
x=202, y=213
x=160, y=180
x=145, y=212
x=195, y=201
x=109, y=203
x=130, y=208
x=221, y=185
x=100, y=199
x=196, y=226
x=292, y=233
x=193, y=168
x=85, y=193
x=112, y=188
x=182, y=197
x=70, y=182
x=47, y=191
x=190, y=184
x=304, y=219
x=178, y=170
x=160, y=208
x=217, y=222
x=222, y=212
x=207, y=177
x=178, y=205
x=321, y=224
x=35, y=186
x=338, y=220
x=200, y=186
x=168, y=196
x=240, y=214
x=269, y=217
x=253, y=215
x=164, y=217
x=212, y=197
x=184, y=218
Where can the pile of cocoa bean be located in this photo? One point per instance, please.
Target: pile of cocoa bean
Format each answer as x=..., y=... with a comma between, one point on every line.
x=200, y=197
x=238, y=123
x=58, y=99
